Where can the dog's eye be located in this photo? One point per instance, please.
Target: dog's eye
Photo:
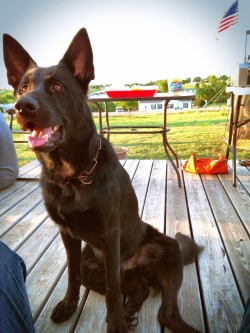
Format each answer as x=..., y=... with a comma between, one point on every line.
x=24, y=88
x=57, y=86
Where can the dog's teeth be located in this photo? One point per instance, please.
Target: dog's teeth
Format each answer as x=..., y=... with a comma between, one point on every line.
x=55, y=128
x=36, y=132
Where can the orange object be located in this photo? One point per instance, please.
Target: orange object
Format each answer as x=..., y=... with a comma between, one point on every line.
x=206, y=165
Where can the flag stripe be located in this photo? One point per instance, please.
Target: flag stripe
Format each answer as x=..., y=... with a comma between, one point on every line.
x=227, y=26
x=228, y=23
x=228, y=18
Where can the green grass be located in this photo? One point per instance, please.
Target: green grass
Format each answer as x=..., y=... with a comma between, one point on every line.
x=201, y=132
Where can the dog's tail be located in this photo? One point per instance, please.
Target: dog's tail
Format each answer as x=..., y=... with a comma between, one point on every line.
x=189, y=249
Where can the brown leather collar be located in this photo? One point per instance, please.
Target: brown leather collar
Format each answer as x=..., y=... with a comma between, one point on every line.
x=85, y=175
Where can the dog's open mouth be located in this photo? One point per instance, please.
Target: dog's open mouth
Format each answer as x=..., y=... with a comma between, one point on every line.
x=48, y=137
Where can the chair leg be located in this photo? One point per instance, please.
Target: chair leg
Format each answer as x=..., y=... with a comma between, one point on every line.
x=234, y=165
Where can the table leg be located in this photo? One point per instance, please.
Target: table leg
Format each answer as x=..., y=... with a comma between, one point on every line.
x=107, y=119
x=167, y=146
x=234, y=136
x=234, y=140
x=100, y=117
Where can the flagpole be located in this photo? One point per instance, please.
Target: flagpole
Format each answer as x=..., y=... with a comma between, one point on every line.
x=247, y=33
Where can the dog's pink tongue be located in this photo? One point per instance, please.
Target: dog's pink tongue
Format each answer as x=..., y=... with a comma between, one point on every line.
x=39, y=136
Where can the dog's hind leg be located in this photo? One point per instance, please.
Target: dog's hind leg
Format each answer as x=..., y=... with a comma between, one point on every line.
x=92, y=271
x=136, y=288
x=169, y=315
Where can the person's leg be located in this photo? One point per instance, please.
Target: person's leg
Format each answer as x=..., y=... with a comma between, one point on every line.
x=8, y=158
x=15, y=314
x=245, y=325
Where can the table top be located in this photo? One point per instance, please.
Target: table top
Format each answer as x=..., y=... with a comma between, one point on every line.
x=156, y=97
x=239, y=90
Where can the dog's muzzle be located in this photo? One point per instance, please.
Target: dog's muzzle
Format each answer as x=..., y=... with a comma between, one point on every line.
x=43, y=137
x=26, y=106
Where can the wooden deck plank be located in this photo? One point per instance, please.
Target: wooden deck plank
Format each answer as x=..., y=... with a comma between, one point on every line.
x=239, y=198
x=14, y=198
x=242, y=174
x=223, y=305
x=93, y=317
x=44, y=325
x=154, y=214
x=12, y=215
x=33, y=174
x=27, y=168
x=177, y=220
x=34, y=248
x=130, y=166
x=209, y=208
x=8, y=191
x=154, y=208
x=236, y=240
x=43, y=278
x=25, y=227
x=140, y=182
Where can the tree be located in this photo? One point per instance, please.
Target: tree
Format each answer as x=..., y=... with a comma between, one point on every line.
x=188, y=80
x=199, y=102
x=224, y=78
x=6, y=97
x=213, y=89
x=162, y=86
x=212, y=79
x=128, y=105
x=111, y=106
x=197, y=79
x=151, y=83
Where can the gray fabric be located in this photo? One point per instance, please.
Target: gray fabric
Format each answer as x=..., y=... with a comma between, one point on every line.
x=8, y=159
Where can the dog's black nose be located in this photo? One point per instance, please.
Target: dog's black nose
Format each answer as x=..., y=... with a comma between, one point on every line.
x=26, y=105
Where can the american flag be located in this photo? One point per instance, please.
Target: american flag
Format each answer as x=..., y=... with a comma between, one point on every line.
x=230, y=17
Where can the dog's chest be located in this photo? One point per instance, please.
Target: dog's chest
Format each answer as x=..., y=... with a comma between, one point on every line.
x=78, y=214
x=85, y=225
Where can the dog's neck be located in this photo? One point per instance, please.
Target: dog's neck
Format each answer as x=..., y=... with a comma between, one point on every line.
x=75, y=166
x=85, y=177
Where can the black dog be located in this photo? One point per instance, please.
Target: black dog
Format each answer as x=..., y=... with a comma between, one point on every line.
x=89, y=194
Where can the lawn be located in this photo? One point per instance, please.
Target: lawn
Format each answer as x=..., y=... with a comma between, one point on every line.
x=201, y=132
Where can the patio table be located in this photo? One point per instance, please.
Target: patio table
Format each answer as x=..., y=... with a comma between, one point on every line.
x=160, y=129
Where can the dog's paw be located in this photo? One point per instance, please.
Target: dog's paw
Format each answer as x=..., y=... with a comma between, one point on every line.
x=63, y=311
x=133, y=321
x=117, y=326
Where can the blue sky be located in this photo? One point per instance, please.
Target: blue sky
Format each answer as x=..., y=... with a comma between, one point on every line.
x=132, y=40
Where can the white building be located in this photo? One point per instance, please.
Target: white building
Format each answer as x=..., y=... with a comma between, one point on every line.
x=159, y=105
x=172, y=105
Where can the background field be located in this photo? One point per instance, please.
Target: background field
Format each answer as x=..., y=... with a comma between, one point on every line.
x=201, y=132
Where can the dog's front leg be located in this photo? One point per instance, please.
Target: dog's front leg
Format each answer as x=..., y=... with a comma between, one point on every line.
x=68, y=305
x=116, y=321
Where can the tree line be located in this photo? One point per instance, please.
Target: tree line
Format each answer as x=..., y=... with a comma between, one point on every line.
x=208, y=90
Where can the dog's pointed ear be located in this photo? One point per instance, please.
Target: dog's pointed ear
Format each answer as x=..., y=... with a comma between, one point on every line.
x=79, y=59
x=16, y=59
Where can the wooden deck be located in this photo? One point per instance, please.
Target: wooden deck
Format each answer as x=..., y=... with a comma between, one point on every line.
x=207, y=207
